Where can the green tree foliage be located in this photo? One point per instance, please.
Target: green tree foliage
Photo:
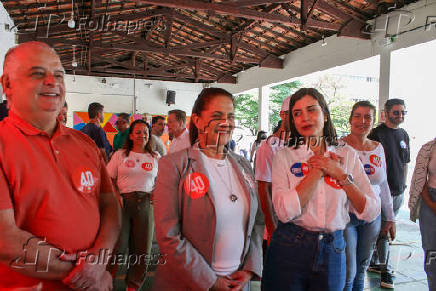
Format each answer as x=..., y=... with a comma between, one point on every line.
x=247, y=107
x=247, y=111
x=340, y=107
x=276, y=97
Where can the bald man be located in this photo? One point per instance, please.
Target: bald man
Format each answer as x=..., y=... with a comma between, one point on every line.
x=57, y=207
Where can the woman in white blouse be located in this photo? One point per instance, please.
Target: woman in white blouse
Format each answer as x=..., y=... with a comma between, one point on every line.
x=133, y=171
x=360, y=235
x=314, y=183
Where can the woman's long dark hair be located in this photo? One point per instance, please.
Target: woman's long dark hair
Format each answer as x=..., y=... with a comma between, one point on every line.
x=200, y=104
x=128, y=144
x=329, y=131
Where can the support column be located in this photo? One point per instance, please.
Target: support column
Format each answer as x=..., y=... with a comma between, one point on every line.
x=385, y=73
x=263, y=119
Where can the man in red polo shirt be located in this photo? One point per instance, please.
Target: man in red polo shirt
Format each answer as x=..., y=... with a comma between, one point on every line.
x=56, y=198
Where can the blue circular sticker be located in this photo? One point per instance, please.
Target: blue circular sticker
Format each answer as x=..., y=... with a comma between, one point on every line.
x=299, y=169
x=369, y=169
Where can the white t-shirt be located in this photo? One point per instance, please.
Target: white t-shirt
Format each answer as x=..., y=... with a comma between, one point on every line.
x=374, y=163
x=137, y=172
x=180, y=143
x=231, y=217
x=264, y=158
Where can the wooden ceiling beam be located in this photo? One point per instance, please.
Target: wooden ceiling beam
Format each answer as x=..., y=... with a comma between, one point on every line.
x=169, y=19
x=304, y=10
x=353, y=28
x=199, y=25
x=361, y=14
x=105, y=17
x=250, y=3
x=272, y=61
x=234, y=46
x=323, y=25
x=331, y=10
x=250, y=23
x=170, y=51
x=226, y=9
x=295, y=43
x=201, y=44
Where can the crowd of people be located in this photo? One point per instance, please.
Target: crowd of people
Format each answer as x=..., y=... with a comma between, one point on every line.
x=315, y=212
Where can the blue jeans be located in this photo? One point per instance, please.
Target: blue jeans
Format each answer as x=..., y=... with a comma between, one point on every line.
x=298, y=259
x=361, y=237
x=427, y=225
x=381, y=254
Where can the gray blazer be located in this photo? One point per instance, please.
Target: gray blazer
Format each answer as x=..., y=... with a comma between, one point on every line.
x=185, y=227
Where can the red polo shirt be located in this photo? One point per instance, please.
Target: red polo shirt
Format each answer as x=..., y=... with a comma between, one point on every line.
x=53, y=185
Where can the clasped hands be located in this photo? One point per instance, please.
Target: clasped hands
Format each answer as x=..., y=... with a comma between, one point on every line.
x=234, y=282
x=91, y=276
x=331, y=165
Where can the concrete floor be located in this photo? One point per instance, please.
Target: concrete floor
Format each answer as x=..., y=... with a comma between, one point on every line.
x=407, y=260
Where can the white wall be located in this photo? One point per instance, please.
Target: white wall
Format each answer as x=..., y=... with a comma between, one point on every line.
x=117, y=95
x=337, y=52
x=7, y=38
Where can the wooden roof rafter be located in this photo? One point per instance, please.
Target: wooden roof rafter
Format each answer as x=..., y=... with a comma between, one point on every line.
x=190, y=41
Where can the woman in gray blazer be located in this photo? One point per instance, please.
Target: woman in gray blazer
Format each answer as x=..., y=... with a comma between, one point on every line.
x=208, y=224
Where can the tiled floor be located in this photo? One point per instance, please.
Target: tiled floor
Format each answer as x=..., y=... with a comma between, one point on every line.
x=407, y=259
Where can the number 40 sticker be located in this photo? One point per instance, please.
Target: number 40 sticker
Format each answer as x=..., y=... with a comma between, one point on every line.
x=196, y=185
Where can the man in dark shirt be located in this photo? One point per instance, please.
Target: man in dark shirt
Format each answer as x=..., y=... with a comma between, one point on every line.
x=395, y=142
x=94, y=130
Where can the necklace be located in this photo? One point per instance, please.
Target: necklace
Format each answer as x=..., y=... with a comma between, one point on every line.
x=233, y=197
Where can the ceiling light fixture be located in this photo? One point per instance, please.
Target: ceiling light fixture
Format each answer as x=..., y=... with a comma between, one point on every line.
x=71, y=22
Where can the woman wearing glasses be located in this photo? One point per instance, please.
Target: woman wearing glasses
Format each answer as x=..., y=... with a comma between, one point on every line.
x=360, y=235
x=209, y=223
x=315, y=184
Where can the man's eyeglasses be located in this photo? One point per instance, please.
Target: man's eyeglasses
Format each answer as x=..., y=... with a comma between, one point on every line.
x=397, y=112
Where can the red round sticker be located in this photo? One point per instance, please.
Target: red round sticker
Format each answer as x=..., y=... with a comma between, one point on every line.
x=147, y=166
x=196, y=185
x=130, y=163
x=375, y=160
x=85, y=180
x=332, y=182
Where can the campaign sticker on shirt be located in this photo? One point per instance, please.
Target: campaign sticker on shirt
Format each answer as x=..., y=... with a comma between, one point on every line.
x=403, y=144
x=196, y=185
x=84, y=179
x=147, y=166
x=369, y=169
x=375, y=160
x=299, y=169
x=129, y=163
x=332, y=182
